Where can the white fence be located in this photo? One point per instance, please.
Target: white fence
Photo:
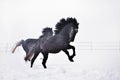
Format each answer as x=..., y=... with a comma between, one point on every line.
x=84, y=46
x=98, y=45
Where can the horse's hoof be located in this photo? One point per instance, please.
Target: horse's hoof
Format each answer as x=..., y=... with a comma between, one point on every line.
x=25, y=59
x=44, y=66
x=71, y=60
x=29, y=60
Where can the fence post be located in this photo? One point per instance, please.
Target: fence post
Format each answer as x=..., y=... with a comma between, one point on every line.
x=119, y=46
x=6, y=50
x=91, y=45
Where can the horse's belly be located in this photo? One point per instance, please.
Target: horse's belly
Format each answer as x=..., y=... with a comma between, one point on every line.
x=54, y=47
x=53, y=50
x=49, y=49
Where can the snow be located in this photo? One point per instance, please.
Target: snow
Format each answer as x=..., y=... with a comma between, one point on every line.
x=87, y=66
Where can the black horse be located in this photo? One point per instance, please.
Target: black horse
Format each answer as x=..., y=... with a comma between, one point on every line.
x=65, y=33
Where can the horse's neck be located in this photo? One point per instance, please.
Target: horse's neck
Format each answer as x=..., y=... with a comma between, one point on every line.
x=66, y=32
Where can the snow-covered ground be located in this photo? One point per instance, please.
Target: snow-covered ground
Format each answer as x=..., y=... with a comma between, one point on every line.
x=88, y=65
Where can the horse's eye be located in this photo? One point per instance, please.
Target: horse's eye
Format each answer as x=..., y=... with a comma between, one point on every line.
x=76, y=30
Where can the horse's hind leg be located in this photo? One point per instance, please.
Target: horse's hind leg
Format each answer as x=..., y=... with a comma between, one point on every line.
x=29, y=54
x=33, y=59
x=69, y=57
x=45, y=57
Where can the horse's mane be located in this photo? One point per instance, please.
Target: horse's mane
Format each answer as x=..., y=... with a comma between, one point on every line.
x=61, y=24
x=47, y=30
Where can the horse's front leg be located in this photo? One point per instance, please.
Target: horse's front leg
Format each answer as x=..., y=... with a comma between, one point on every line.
x=45, y=57
x=69, y=57
x=73, y=48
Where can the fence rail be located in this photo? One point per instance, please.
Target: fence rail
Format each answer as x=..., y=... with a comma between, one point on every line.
x=79, y=46
x=98, y=45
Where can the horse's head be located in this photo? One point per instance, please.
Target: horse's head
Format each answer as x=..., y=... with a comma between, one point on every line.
x=74, y=28
x=73, y=34
x=68, y=27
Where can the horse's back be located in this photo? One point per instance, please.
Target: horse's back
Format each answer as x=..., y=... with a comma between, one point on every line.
x=28, y=44
x=27, y=41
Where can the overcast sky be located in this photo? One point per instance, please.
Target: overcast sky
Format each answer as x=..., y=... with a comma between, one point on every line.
x=21, y=19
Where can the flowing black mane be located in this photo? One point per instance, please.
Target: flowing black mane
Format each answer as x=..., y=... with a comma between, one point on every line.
x=47, y=30
x=61, y=24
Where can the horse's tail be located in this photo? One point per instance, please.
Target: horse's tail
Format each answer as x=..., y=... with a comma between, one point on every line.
x=17, y=44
